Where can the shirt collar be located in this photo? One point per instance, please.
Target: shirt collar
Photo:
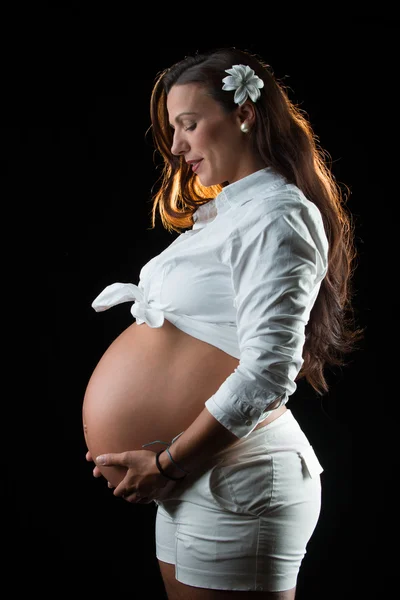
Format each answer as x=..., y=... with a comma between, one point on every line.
x=265, y=180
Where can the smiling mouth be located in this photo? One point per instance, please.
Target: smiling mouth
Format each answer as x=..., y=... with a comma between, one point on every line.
x=195, y=165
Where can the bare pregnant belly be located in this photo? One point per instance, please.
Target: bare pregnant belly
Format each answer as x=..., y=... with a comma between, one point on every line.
x=149, y=385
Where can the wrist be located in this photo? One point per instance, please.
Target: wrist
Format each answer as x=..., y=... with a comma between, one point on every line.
x=167, y=466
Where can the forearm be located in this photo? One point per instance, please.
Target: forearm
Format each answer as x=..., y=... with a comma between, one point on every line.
x=199, y=442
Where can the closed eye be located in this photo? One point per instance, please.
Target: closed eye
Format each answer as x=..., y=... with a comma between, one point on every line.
x=191, y=127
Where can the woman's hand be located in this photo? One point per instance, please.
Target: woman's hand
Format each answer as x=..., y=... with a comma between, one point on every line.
x=143, y=482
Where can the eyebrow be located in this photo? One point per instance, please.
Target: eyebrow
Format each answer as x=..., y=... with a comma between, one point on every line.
x=179, y=117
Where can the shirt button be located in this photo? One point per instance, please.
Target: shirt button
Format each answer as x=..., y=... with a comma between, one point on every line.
x=248, y=422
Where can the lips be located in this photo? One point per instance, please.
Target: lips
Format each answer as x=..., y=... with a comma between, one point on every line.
x=194, y=164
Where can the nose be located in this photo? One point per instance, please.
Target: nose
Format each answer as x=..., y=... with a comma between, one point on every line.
x=179, y=143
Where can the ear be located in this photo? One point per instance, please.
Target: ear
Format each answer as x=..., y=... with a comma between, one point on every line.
x=246, y=113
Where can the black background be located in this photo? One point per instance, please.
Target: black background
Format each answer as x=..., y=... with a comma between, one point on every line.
x=77, y=172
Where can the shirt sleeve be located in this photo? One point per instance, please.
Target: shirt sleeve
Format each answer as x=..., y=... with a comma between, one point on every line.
x=277, y=262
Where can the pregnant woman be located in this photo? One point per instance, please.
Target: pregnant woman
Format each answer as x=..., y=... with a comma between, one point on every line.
x=187, y=407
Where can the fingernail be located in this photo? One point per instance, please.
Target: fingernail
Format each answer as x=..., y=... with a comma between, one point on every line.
x=101, y=460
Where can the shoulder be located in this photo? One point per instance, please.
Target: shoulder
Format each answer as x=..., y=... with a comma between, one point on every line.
x=269, y=221
x=270, y=208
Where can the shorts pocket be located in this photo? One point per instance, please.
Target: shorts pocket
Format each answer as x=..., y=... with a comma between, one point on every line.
x=243, y=483
x=311, y=463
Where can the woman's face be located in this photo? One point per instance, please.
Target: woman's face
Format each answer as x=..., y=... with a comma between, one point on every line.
x=207, y=137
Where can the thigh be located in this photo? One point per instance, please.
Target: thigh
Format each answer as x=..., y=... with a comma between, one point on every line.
x=179, y=591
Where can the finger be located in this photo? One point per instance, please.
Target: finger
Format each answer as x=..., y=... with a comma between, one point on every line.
x=137, y=499
x=97, y=472
x=106, y=460
x=110, y=485
x=133, y=499
x=130, y=493
x=122, y=492
x=89, y=456
x=134, y=496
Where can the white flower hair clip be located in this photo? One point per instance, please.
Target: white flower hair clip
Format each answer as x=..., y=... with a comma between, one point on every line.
x=244, y=81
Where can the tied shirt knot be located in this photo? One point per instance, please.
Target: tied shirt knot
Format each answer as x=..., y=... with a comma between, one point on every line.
x=117, y=293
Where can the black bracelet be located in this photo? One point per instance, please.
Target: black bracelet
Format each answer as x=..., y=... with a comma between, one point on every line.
x=175, y=463
x=162, y=472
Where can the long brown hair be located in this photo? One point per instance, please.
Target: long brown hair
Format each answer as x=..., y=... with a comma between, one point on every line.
x=284, y=139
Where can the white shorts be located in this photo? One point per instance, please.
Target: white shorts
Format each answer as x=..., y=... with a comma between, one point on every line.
x=244, y=521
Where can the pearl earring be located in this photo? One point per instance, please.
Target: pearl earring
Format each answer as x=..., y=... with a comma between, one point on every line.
x=244, y=127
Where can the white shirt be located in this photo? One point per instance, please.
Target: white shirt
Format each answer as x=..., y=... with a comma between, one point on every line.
x=243, y=279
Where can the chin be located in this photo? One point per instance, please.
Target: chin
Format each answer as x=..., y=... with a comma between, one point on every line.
x=207, y=182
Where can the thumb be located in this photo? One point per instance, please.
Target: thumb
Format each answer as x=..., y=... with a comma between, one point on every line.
x=111, y=459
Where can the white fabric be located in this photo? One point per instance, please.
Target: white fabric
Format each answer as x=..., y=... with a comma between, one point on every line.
x=243, y=279
x=244, y=520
